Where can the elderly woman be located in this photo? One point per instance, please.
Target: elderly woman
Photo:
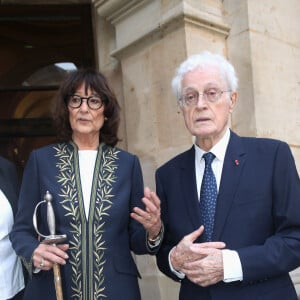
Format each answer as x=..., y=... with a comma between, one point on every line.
x=98, y=200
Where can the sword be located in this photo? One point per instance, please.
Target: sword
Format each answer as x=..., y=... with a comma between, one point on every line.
x=52, y=239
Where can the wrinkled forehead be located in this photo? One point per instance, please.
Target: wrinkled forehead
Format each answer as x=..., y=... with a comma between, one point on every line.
x=202, y=77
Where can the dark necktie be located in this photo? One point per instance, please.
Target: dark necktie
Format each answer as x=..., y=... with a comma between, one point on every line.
x=208, y=197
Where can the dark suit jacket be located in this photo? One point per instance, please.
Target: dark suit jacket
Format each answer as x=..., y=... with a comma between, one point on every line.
x=9, y=182
x=10, y=187
x=257, y=214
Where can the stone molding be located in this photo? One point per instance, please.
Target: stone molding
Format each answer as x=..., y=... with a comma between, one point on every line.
x=121, y=14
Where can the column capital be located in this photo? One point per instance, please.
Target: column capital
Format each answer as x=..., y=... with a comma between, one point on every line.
x=137, y=22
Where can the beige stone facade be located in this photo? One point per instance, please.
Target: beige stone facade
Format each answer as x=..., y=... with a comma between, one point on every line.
x=140, y=43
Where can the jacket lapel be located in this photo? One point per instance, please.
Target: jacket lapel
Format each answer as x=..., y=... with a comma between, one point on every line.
x=9, y=187
x=189, y=186
x=232, y=169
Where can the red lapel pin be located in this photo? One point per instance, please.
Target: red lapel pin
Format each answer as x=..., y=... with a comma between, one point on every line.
x=236, y=162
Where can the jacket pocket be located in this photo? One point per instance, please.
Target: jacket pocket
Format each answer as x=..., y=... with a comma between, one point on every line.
x=125, y=264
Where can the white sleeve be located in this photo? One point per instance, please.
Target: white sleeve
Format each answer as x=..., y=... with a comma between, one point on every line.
x=232, y=266
x=179, y=274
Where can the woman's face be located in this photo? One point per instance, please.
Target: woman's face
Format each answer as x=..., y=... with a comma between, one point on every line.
x=84, y=121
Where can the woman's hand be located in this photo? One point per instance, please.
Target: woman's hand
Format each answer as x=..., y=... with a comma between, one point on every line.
x=44, y=256
x=150, y=217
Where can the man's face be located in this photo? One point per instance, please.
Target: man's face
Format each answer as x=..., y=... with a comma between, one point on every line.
x=205, y=119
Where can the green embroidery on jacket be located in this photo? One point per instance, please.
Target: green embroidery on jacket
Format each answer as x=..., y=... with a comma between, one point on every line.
x=87, y=261
x=106, y=177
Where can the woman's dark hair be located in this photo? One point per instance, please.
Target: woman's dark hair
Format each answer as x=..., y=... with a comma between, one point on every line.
x=97, y=82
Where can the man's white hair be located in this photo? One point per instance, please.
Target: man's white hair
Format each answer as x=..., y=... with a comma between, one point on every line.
x=204, y=60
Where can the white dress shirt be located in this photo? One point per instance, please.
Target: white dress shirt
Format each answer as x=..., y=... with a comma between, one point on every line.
x=231, y=261
x=11, y=274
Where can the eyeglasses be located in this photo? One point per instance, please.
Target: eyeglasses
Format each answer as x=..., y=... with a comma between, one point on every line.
x=191, y=96
x=93, y=102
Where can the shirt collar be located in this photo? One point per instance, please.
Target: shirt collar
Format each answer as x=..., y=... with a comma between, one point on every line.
x=218, y=149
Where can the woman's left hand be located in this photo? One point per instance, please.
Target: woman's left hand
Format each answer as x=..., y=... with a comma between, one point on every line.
x=150, y=217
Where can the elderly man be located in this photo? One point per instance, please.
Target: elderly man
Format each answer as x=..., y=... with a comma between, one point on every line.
x=230, y=204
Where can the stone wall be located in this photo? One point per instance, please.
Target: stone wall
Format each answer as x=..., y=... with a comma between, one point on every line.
x=264, y=45
x=141, y=42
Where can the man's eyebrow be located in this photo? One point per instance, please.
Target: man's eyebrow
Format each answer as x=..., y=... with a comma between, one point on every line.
x=189, y=88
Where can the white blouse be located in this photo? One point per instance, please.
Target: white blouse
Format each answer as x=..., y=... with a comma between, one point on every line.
x=87, y=159
x=11, y=275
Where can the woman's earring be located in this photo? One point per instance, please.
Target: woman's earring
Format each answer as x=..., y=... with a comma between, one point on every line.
x=105, y=118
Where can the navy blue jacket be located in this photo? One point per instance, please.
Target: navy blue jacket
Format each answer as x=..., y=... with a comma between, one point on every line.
x=9, y=182
x=257, y=214
x=100, y=264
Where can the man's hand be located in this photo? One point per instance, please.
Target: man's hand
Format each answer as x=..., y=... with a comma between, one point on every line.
x=202, y=262
x=208, y=269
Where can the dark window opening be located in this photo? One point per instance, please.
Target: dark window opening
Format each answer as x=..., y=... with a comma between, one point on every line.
x=39, y=45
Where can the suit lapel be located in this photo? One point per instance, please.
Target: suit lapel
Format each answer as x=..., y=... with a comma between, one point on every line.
x=189, y=186
x=233, y=165
x=9, y=190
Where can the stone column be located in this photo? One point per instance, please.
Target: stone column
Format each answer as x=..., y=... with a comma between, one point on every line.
x=143, y=42
x=264, y=45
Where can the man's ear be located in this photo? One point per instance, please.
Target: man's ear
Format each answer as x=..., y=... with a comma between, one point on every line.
x=233, y=99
